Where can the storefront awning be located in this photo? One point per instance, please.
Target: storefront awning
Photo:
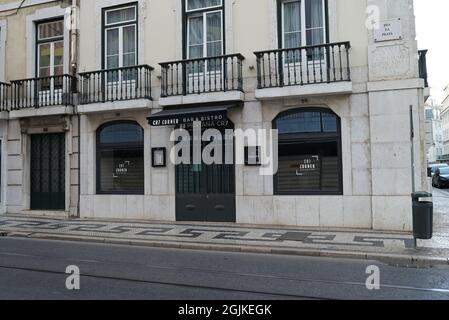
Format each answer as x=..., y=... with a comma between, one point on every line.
x=180, y=116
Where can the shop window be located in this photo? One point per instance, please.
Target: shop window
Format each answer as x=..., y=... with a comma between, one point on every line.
x=120, y=158
x=309, y=153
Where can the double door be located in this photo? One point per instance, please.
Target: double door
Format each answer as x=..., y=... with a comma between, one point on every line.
x=48, y=171
x=206, y=192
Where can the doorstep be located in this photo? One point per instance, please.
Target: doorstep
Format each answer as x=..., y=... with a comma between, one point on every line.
x=44, y=214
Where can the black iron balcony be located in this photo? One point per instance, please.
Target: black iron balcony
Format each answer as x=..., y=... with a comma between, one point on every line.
x=324, y=63
x=423, y=66
x=127, y=83
x=5, y=90
x=43, y=92
x=202, y=75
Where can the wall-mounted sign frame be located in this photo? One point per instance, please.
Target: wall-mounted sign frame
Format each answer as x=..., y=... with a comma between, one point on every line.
x=252, y=155
x=159, y=157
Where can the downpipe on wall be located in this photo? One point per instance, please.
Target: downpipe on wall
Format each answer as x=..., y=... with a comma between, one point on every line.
x=74, y=36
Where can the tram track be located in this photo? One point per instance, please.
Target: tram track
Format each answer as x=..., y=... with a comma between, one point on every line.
x=217, y=273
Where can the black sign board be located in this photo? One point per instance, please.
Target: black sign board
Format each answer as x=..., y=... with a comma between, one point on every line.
x=212, y=116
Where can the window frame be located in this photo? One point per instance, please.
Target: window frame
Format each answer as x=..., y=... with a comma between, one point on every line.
x=280, y=22
x=119, y=8
x=51, y=41
x=310, y=137
x=3, y=36
x=120, y=26
x=186, y=14
x=99, y=147
x=205, y=42
x=2, y=178
x=202, y=9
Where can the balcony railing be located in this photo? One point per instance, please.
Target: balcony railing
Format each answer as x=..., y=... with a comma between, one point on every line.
x=43, y=92
x=423, y=66
x=202, y=75
x=5, y=90
x=109, y=85
x=324, y=63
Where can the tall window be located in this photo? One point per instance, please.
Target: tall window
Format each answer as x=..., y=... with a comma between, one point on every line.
x=50, y=52
x=120, y=160
x=120, y=37
x=303, y=23
x=2, y=53
x=309, y=154
x=1, y=170
x=204, y=28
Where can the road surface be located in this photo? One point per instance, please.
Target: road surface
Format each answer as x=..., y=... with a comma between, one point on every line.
x=35, y=269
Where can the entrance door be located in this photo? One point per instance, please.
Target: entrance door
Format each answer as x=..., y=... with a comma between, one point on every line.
x=48, y=171
x=206, y=192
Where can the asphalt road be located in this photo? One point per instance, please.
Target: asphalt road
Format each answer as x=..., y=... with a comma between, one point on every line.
x=441, y=192
x=35, y=269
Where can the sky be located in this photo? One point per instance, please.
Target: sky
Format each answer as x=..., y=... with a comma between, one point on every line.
x=432, y=33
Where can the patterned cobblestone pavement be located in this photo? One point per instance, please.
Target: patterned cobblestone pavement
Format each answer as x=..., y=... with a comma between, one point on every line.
x=216, y=235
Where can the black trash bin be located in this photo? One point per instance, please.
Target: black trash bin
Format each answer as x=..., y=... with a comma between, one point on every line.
x=422, y=215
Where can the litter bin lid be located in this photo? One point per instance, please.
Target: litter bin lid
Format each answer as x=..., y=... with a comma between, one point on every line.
x=422, y=196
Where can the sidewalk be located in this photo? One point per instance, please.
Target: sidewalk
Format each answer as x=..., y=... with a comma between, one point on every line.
x=393, y=248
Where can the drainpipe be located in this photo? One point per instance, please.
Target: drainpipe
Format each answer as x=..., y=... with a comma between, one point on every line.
x=74, y=66
x=412, y=140
x=74, y=37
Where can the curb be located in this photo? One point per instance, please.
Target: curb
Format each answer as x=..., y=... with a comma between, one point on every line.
x=395, y=259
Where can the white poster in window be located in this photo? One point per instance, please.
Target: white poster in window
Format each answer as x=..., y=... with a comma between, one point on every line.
x=308, y=165
x=121, y=169
x=389, y=30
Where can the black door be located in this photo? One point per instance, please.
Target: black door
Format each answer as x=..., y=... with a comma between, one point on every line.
x=48, y=172
x=206, y=192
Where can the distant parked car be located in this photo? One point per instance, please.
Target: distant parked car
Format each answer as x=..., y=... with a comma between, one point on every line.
x=432, y=168
x=441, y=178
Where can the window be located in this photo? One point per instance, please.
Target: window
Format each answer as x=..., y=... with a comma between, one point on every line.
x=204, y=30
x=1, y=170
x=302, y=24
x=120, y=159
x=309, y=152
x=120, y=38
x=2, y=49
x=50, y=53
x=429, y=114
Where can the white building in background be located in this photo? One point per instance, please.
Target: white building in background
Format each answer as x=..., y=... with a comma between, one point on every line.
x=86, y=131
x=434, y=132
x=445, y=125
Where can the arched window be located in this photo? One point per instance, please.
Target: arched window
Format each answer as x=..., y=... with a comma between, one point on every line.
x=309, y=152
x=120, y=160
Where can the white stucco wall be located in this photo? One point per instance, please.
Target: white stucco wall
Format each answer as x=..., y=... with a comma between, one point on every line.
x=375, y=120
x=374, y=114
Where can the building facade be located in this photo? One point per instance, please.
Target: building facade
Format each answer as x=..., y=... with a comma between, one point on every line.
x=434, y=133
x=445, y=126
x=88, y=131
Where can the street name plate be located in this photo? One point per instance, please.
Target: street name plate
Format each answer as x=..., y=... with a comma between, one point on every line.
x=388, y=30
